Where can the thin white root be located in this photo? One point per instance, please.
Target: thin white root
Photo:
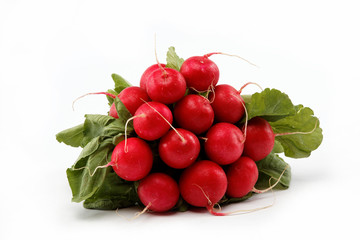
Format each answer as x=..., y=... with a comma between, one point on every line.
x=138, y=214
x=73, y=103
x=206, y=196
x=156, y=57
x=203, y=138
x=232, y=55
x=271, y=187
x=292, y=133
x=87, y=168
x=248, y=83
x=243, y=211
x=212, y=89
x=246, y=121
x=126, y=124
x=96, y=93
x=181, y=137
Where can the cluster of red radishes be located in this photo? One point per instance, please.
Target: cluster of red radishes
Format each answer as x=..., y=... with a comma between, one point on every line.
x=167, y=108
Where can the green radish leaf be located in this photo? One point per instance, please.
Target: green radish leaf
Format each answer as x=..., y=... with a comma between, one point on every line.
x=88, y=149
x=277, y=108
x=110, y=99
x=122, y=111
x=114, y=193
x=120, y=84
x=271, y=167
x=298, y=145
x=72, y=136
x=96, y=125
x=84, y=177
x=181, y=205
x=270, y=104
x=118, y=138
x=278, y=148
x=173, y=60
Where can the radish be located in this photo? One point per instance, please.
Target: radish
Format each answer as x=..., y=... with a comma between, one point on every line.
x=200, y=72
x=194, y=113
x=133, y=161
x=132, y=98
x=158, y=192
x=203, y=184
x=152, y=120
x=224, y=143
x=179, y=149
x=227, y=104
x=145, y=75
x=242, y=176
x=166, y=85
x=260, y=139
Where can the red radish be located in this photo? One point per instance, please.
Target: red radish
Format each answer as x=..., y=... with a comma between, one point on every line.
x=224, y=143
x=152, y=120
x=166, y=85
x=242, y=176
x=194, y=113
x=134, y=162
x=179, y=152
x=260, y=139
x=200, y=72
x=145, y=75
x=132, y=98
x=227, y=104
x=113, y=113
x=203, y=184
x=159, y=192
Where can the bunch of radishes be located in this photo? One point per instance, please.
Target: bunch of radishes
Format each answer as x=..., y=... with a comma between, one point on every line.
x=181, y=140
x=168, y=107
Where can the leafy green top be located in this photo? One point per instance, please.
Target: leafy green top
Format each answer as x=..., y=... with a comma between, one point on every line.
x=284, y=117
x=173, y=60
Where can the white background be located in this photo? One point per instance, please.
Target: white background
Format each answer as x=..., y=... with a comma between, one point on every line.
x=51, y=52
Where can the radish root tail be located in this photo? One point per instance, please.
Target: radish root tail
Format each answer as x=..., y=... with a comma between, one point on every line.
x=293, y=133
x=93, y=173
x=242, y=211
x=177, y=132
x=248, y=83
x=272, y=186
x=246, y=121
x=105, y=93
x=157, y=60
x=138, y=214
x=231, y=55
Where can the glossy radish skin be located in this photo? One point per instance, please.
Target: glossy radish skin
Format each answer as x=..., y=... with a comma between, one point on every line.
x=158, y=191
x=148, y=123
x=194, y=113
x=166, y=85
x=135, y=163
x=260, y=139
x=203, y=184
x=242, y=176
x=113, y=113
x=148, y=71
x=177, y=152
x=200, y=73
x=227, y=104
x=224, y=144
x=132, y=98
